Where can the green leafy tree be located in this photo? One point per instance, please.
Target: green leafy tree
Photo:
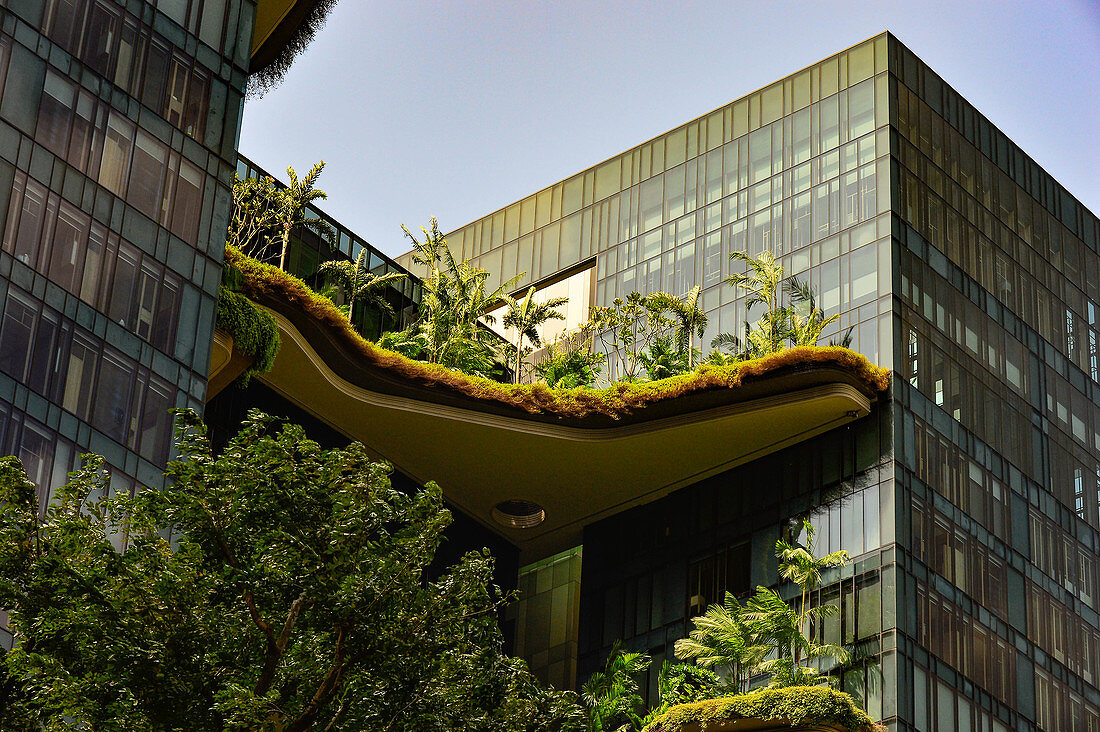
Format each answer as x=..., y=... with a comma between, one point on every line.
x=359, y=284
x=627, y=329
x=527, y=316
x=292, y=596
x=570, y=362
x=265, y=214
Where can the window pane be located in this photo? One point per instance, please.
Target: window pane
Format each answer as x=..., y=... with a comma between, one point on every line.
x=15, y=337
x=187, y=207
x=55, y=113
x=112, y=396
x=116, y=154
x=147, y=176
x=80, y=376
x=66, y=255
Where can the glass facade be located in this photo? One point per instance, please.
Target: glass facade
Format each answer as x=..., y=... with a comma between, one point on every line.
x=118, y=135
x=970, y=499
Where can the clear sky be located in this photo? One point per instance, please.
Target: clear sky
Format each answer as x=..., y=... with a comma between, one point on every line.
x=454, y=109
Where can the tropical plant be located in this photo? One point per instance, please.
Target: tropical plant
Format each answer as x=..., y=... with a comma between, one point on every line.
x=762, y=283
x=723, y=639
x=664, y=359
x=799, y=323
x=526, y=316
x=627, y=329
x=293, y=594
x=266, y=214
x=691, y=319
x=359, y=284
x=454, y=308
x=611, y=695
x=682, y=683
x=807, y=321
x=569, y=360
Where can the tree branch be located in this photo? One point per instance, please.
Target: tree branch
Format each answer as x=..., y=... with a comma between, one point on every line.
x=324, y=691
x=276, y=646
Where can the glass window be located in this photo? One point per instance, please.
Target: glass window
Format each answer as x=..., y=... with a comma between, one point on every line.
x=20, y=314
x=155, y=75
x=861, y=109
x=187, y=208
x=830, y=123
x=110, y=412
x=55, y=113
x=116, y=154
x=99, y=36
x=127, y=53
x=93, y=263
x=24, y=240
x=123, y=284
x=147, y=176
x=168, y=308
x=80, y=374
x=155, y=428
x=760, y=154
x=67, y=252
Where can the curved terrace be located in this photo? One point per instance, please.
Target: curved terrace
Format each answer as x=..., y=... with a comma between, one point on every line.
x=580, y=453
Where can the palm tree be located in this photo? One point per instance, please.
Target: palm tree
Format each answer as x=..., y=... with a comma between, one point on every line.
x=360, y=284
x=691, y=320
x=612, y=693
x=723, y=639
x=454, y=307
x=527, y=316
x=762, y=281
x=780, y=627
x=664, y=359
x=291, y=211
x=807, y=320
x=798, y=564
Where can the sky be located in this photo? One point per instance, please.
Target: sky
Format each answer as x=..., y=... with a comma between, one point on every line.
x=455, y=109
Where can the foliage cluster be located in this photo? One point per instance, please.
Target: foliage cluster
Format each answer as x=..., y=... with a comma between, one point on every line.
x=768, y=635
x=791, y=705
x=450, y=330
x=358, y=284
x=254, y=331
x=263, y=79
x=292, y=595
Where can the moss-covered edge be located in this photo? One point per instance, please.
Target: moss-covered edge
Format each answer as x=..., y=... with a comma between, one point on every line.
x=796, y=705
x=263, y=281
x=255, y=332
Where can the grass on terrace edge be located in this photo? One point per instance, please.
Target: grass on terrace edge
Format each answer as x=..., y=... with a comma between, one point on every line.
x=810, y=705
x=265, y=281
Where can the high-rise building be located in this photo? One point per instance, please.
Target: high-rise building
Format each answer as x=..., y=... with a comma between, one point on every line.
x=969, y=497
x=119, y=124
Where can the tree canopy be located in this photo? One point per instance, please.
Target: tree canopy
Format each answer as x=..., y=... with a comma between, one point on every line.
x=274, y=586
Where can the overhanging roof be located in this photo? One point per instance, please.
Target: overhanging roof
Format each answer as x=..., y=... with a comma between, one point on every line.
x=579, y=470
x=582, y=455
